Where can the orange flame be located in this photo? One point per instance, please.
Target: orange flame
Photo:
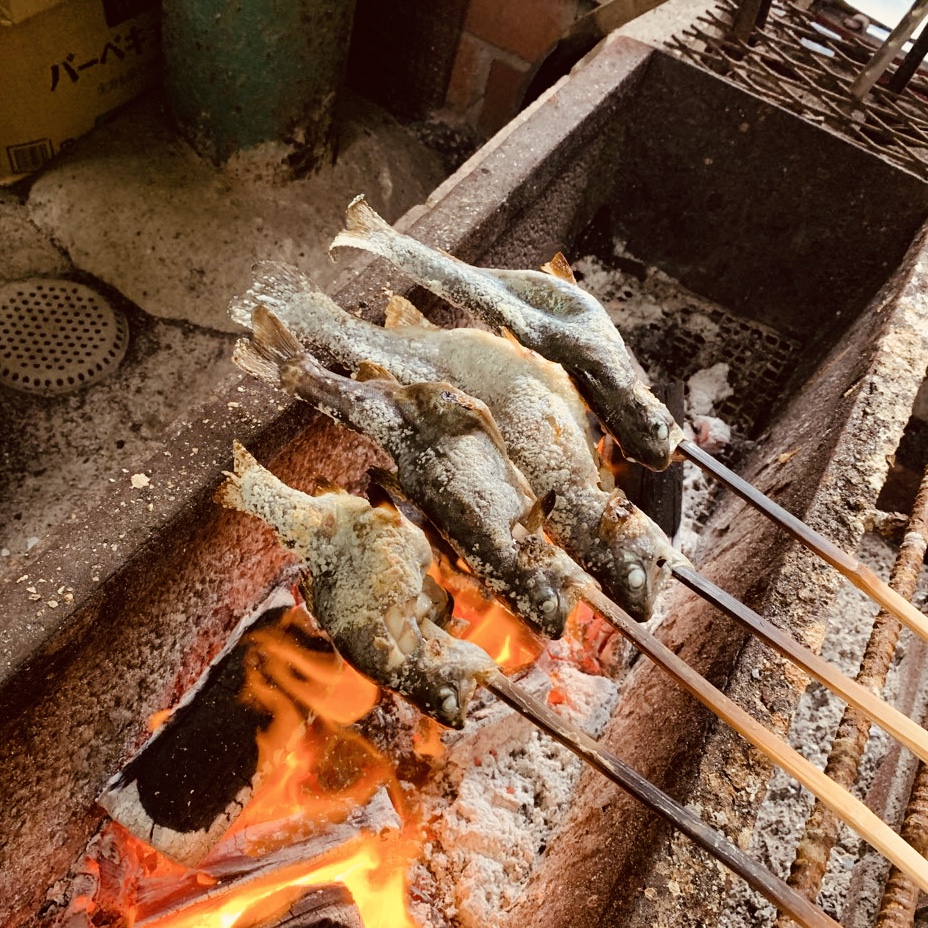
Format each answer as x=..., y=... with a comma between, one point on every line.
x=372, y=868
x=313, y=770
x=487, y=622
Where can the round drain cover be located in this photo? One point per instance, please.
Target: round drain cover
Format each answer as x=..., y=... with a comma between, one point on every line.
x=57, y=336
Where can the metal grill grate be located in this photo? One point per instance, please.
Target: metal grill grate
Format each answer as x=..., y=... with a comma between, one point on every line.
x=761, y=359
x=805, y=67
x=57, y=336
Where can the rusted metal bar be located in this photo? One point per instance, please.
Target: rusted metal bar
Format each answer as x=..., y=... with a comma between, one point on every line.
x=889, y=49
x=900, y=895
x=821, y=829
x=910, y=64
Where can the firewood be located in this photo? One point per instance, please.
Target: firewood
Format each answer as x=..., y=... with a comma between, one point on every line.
x=325, y=907
x=190, y=780
x=229, y=867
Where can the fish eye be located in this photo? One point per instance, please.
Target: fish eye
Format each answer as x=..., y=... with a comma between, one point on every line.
x=449, y=700
x=636, y=578
x=661, y=431
x=548, y=606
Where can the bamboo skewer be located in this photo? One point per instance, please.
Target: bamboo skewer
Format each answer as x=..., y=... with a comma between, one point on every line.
x=784, y=897
x=859, y=574
x=821, y=829
x=842, y=803
x=888, y=717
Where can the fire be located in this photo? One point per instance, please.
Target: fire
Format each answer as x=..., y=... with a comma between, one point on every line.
x=314, y=770
x=372, y=869
x=488, y=623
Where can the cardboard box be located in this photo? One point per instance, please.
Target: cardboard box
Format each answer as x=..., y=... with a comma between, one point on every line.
x=16, y=11
x=63, y=68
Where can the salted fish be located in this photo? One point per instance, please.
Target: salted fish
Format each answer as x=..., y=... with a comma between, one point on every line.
x=451, y=462
x=545, y=312
x=543, y=420
x=370, y=587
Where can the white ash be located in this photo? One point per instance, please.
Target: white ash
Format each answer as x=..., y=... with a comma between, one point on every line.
x=707, y=388
x=782, y=816
x=489, y=813
x=647, y=306
x=632, y=303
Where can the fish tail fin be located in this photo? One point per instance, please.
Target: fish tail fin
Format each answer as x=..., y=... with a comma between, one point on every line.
x=272, y=346
x=229, y=493
x=362, y=227
x=274, y=284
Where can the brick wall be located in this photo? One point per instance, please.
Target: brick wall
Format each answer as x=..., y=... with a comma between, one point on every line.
x=469, y=59
x=501, y=44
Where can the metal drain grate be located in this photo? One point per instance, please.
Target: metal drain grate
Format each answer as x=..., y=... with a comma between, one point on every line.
x=803, y=65
x=57, y=336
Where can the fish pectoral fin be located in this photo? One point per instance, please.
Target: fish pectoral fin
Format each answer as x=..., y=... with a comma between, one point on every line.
x=560, y=267
x=540, y=510
x=401, y=313
x=323, y=485
x=387, y=481
x=368, y=370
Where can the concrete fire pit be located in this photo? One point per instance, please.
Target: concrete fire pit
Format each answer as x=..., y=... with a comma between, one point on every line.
x=782, y=223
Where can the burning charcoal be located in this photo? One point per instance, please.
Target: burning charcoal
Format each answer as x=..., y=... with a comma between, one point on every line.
x=325, y=907
x=370, y=587
x=545, y=311
x=189, y=781
x=541, y=417
x=451, y=461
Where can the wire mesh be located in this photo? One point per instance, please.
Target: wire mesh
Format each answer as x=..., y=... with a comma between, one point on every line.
x=799, y=63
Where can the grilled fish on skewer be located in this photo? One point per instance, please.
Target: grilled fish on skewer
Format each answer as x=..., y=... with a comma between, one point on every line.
x=555, y=318
x=545, y=312
x=409, y=420
x=370, y=587
x=550, y=452
x=451, y=460
x=542, y=419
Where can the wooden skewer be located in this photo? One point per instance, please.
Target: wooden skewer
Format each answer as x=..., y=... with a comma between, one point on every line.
x=777, y=891
x=839, y=800
x=889, y=718
x=860, y=575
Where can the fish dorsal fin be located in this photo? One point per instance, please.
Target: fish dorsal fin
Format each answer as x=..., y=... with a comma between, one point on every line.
x=507, y=334
x=401, y=313
x=540, y=510
x=322, y=485
x=559, y=266
x=368, y=370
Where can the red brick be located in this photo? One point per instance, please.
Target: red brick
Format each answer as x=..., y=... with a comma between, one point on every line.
x=527, y=28
x=505, y=86
x=464, y=86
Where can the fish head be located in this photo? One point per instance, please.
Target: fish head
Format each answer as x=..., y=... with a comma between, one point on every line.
x=445, y=408
x=646, y=430
x=442, y=680
x=541, y=587
x=634, y=556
